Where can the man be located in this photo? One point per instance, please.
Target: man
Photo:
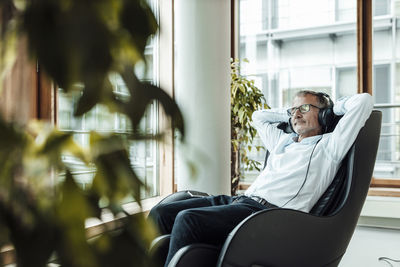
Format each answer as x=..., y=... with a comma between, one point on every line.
x=300, y=167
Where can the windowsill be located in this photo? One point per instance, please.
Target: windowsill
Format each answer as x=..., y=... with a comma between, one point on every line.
x=95, y=226
x=379, y=211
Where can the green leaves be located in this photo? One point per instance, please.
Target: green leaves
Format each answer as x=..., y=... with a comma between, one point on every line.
x=71, y=220
x=142, y=94
x=83, y=42
x=39, y=223
x=115, y=179
x=71, y=41
x=138, y=19
x=128, y=246
x=77, y=42
x=245, y=99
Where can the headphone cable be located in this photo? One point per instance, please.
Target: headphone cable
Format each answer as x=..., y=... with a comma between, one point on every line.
x=305, y=178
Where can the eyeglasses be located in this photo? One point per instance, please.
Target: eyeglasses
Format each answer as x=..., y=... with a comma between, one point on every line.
x=303, y=109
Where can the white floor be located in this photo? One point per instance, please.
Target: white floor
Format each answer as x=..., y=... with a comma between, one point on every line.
x=369, y=244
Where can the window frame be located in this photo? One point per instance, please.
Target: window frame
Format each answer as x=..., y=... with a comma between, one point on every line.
x=379, y=186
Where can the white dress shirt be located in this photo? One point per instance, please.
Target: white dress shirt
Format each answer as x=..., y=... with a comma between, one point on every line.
x=298, y=173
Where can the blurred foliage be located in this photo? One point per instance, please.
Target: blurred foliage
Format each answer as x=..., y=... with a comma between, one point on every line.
x=77, y=42
x=245, y=99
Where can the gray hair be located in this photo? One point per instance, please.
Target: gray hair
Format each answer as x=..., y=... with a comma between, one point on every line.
x=323, y=100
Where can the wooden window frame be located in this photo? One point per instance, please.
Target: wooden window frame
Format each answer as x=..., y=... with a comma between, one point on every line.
x=379, y=186
x=166, y=77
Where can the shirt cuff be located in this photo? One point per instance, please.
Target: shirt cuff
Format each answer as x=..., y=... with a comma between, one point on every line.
x=339, y=107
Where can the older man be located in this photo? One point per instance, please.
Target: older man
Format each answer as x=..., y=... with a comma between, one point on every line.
x=300, y=167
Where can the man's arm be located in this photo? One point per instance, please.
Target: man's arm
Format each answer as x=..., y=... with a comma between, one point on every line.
x=356, y=111
x=264, y=120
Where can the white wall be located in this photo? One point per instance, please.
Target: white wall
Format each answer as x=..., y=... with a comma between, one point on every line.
x=203, y=93
x=369, y=244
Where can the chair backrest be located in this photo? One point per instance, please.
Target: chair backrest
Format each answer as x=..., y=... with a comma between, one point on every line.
x=359, y=168
x=334, y=196
x=285, y=237
x=338, y=191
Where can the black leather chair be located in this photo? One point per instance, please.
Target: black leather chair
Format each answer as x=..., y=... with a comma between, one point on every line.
x=285, y=237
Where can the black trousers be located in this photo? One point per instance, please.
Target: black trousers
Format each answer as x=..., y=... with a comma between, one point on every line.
x=202, y=220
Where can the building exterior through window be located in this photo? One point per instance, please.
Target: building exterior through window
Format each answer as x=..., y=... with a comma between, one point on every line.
x=293, y=45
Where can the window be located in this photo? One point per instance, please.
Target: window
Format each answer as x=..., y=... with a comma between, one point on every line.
x=346, y=81
x=382, y=84
x=382, y=7
x=313, y=45
x=303, y=46
x=386, y=91
x=292, y=14
x=345, y=10
x=144, y=155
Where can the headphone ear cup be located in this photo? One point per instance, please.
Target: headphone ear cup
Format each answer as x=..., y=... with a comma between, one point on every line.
x=326, y=115
x=321, y=118
x=329, y=119
x=325, y=119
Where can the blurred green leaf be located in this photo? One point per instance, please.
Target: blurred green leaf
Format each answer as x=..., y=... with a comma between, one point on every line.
x=31, y=230
x=72, y=211
x=77, y=42
x=121, y=249
x=58, y=143
x=115, y=177
x=142, y=94
x=138, y=19
x=55, y=141
x=127, y=246
x=94, y=94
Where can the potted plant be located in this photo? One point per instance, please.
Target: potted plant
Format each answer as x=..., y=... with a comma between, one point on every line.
x=76, y=42
x=245, y=99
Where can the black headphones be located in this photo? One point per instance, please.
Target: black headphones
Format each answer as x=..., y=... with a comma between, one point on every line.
x=326, y=116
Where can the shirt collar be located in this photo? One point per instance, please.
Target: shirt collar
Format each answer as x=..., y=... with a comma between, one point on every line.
x=307, y=140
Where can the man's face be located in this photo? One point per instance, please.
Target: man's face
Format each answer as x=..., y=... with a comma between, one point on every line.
x=306, y=124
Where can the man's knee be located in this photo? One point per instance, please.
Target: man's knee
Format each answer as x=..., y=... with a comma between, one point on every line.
x=156, y=212
x=188, y=218
x=162, y=217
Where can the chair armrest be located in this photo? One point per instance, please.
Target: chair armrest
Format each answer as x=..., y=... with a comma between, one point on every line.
x=284, y=237
x=195, y=255
x=159, y=249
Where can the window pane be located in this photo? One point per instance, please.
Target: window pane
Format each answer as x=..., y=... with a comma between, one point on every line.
x=381, y=7
x=143, y=154
x=386, y=81
x=346, y=10
x=306, y=13
x=346, y=81
x=294, y=45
